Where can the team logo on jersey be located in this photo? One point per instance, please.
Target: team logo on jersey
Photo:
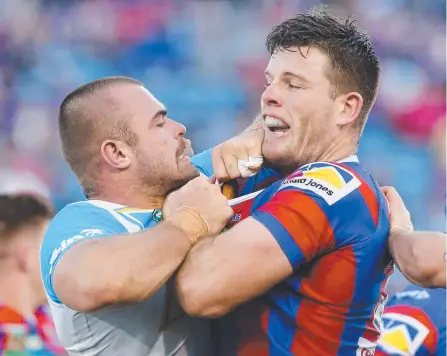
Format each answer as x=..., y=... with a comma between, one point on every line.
x=157, y=215
x=329, y=182
x=402, y=334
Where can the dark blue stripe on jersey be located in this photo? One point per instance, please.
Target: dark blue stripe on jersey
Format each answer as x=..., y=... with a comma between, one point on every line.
x=249, y=186
x=264, y=197
x=353, y=331
x=367, y=291
x=284, y=302
x=280, y=334
x=282, y=236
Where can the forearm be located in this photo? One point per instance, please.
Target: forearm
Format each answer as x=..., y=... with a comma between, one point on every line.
x=124, y=269
x=420, y=256
x=221, y=273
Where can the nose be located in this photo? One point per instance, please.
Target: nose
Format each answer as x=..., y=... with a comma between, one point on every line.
x=271, y=96
x=178, y=129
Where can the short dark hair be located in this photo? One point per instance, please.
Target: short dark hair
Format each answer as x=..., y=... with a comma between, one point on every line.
x=20, y=210
x=80, y=125
x=354, y=64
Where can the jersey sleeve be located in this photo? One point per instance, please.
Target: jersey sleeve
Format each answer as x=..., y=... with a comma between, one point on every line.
x=204, y=163
x=312, y=212
x=71, y=225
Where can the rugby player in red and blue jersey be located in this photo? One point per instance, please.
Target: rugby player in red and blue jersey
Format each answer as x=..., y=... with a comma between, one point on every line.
x=311, y=248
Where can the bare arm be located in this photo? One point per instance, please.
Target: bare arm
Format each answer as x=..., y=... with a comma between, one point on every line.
x=421, y=256
x=102, y=271
x=130, y=268
x=223, y=272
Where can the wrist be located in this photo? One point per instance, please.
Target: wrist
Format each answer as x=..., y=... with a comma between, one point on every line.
x=190, y=222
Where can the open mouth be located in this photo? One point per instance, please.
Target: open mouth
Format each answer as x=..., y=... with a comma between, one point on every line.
x=276, y=126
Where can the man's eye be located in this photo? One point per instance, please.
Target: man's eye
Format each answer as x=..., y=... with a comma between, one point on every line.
x=266, y=85
x=161, y=124
x=291, y=86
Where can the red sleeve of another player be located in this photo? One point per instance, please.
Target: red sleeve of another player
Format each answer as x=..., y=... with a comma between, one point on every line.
x=298, y=224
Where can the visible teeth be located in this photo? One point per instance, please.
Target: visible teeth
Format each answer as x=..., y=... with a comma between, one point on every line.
x=272, y=122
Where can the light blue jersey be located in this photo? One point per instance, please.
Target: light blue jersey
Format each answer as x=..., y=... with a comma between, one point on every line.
x=156, y=326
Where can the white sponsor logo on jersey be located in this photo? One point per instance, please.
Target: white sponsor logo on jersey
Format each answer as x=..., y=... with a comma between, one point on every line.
x=326, y=181
x=68, y=242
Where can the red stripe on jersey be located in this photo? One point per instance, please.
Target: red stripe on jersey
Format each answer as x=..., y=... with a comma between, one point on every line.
x=304, y=220
x=367, y=193
x=321, y=317
x=255, y=341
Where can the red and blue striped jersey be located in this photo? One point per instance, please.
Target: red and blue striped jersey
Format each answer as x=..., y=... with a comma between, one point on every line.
x=332, y=222
x=35, y=335
x=414, y=323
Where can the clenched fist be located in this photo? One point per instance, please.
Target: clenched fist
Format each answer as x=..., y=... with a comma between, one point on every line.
x=198, y=208
x=240, y=156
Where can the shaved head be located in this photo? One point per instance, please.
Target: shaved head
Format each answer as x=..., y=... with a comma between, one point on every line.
x=118, y=140
x=89, y=115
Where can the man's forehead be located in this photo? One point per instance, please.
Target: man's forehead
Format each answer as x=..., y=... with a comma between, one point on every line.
x=137, y=98
x=303, y=61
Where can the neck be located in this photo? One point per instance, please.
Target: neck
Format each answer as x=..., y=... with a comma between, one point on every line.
x=132, y=198
x=336, y=153
x=339, y=148
x=17, y=294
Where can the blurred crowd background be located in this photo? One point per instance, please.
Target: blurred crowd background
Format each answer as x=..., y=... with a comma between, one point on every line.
x=204, y=59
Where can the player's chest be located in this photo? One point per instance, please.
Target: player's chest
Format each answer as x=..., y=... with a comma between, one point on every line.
x=245, y=205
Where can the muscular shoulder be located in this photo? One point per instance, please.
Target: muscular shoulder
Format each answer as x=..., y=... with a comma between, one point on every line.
x=344, y=196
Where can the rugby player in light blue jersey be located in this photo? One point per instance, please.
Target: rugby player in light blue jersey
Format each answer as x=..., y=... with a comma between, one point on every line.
x=105, y=267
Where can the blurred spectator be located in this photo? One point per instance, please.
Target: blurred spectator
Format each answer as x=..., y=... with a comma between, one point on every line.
x=25, y=327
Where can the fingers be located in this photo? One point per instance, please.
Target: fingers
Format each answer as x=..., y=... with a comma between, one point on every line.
x=232, y=166
x=226, y=166
x=400, y=217
x=219, y=167
x=393, y=196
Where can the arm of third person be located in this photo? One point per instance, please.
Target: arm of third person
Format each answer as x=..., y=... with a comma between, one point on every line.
x=420, y=255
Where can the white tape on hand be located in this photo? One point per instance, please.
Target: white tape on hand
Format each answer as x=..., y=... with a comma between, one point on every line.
x=251, y=167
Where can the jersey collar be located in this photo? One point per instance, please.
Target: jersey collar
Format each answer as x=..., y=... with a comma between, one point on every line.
x=350, y=159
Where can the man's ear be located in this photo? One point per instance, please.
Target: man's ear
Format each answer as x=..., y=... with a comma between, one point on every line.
x=116, y=154
x=349, y=109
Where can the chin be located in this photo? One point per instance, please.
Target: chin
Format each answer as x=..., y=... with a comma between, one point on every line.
x=280, y=160
x=185, y=175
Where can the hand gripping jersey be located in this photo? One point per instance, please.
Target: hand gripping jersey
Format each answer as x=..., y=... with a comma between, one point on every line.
x=414, y=324
x=154, y=327
x=33, y=336
x=331, y=221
